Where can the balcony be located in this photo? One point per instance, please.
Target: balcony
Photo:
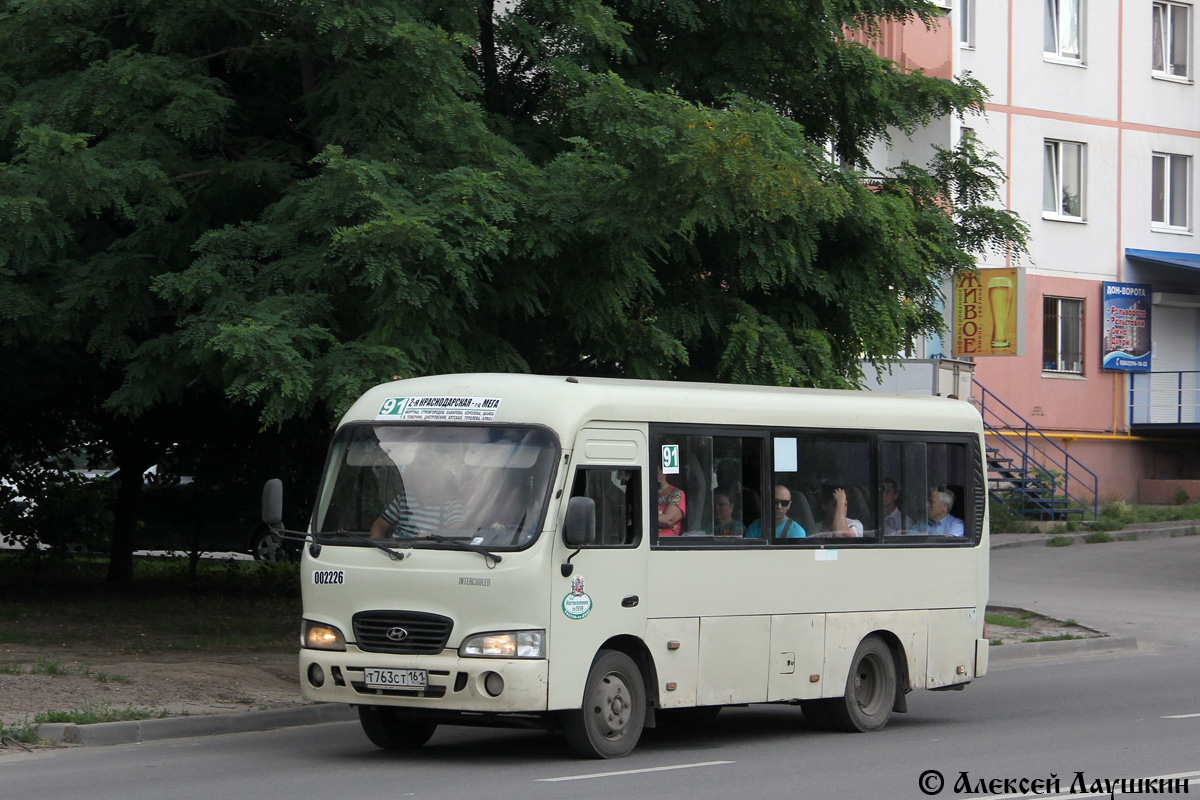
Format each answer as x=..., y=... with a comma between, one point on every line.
x=1165, y=402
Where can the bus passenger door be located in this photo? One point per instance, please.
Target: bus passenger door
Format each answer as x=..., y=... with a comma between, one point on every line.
x=603, y=595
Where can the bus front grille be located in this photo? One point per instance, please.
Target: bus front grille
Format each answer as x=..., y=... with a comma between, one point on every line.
x=401, y=632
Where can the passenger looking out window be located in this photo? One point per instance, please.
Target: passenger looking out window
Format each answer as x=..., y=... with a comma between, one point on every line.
x=941, y=521
x=834, y=521
x=785, y=526
x=895, y=521
x=672, y=506
x=725, y=524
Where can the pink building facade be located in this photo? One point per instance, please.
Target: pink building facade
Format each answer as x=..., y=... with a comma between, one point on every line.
x=1095, y=119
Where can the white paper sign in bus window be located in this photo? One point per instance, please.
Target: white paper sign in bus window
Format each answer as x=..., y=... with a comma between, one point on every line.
x=785, y=454
x=451, y=409
x=670, y=459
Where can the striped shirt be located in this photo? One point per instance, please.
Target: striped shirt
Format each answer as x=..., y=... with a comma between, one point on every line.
x=410, y=517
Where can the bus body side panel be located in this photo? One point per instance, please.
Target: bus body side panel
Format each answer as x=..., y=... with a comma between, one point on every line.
x=822, y=603
x=734, y=654
x=675, y=647
x=952, y=638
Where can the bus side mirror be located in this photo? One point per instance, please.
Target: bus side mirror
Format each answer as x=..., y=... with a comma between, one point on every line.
x=580, y=527
x=272, y=504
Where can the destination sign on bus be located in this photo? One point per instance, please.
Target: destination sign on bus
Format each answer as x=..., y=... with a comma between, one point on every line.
x=456, y=409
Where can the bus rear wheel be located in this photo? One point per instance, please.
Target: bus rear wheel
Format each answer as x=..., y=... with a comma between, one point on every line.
x=610, y=722
x=870, y=689
x=389, y=731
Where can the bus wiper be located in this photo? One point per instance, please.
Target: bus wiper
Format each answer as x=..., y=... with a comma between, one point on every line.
x=392, y=554
x=457, y=545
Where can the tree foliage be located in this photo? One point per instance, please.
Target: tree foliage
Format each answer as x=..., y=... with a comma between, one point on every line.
x=276, y=203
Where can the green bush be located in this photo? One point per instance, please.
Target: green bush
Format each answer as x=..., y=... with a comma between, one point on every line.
x=1060, y=541
x=1182, y=498
x=1005, y=519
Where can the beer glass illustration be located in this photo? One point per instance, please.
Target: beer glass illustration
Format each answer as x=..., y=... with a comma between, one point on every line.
x=999, y=301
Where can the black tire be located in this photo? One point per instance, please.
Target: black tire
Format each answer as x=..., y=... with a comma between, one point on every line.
x=267, y=545
x=610, y=722
x=870, y=689
x=389, y=731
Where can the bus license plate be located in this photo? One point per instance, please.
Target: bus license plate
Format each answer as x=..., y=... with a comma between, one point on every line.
x=396, y=678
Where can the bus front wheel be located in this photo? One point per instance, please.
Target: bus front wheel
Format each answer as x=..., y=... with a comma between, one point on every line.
x=870, y=689
x=609, y=723
x=389, y=731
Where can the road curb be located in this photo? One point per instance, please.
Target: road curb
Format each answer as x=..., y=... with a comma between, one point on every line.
x=1003, y=654
x=1003, y=541
x=149, y=730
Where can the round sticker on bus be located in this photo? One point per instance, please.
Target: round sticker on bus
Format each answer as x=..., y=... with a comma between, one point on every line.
x=576, y=604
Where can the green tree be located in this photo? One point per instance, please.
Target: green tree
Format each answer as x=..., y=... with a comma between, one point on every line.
x=277, y=203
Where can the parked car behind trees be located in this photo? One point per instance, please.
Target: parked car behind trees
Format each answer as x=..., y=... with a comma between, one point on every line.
x=65, y=503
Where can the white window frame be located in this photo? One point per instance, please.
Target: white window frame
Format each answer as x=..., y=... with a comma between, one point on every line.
x=1164, y=41
x=1055, y=175
x=1063, y=21
x=1055, y=325
x=966, y=23
x=1165, y=177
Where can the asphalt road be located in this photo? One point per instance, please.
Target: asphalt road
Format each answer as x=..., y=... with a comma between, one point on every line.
x=1126, y=715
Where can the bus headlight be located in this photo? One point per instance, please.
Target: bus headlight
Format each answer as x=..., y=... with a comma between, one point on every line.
x=508, y=644
x=319, y=636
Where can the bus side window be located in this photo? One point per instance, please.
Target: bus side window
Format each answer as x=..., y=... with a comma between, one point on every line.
x=617, y=494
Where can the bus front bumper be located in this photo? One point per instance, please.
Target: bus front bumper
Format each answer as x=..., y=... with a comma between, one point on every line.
x=453, y=683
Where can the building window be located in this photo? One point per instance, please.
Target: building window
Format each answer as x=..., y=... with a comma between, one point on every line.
x=966, y=23
x=1063, y=30
x=1063, y=179
x=1172, y=43
x=1170, y=195
x=1062, y=335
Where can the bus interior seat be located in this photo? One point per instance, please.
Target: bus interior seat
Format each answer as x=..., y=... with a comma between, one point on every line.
x=697, y=520
x=960, y=501
x=802, y=513
x=858, y=507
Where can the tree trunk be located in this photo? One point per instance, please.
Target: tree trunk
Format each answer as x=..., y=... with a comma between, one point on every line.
x=129, y=501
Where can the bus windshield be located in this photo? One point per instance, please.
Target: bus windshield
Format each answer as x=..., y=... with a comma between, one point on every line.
x=419, y=485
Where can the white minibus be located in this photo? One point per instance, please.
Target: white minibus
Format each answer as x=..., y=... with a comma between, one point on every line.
x=598, y=555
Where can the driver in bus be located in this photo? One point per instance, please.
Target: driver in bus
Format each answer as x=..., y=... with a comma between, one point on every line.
x=427, y=503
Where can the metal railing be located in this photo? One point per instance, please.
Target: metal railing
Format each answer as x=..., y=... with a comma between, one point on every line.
x=1048, y=480
x=1164, y=398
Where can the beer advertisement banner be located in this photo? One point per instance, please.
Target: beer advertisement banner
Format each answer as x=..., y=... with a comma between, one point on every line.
x=1126, y=327
x=987, y=306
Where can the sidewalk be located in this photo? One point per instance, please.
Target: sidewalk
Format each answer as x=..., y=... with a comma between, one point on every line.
x=110, y=733
x=1147, y=530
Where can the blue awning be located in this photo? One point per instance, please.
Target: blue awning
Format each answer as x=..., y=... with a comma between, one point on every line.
x=1166, y=258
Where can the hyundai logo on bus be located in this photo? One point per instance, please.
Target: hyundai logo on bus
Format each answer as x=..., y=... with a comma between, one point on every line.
x=397, y=634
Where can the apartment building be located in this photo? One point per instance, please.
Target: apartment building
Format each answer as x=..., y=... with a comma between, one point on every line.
x=1095, y=117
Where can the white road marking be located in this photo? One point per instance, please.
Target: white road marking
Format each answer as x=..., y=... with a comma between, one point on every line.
x=1181, y=716
x=632, y=771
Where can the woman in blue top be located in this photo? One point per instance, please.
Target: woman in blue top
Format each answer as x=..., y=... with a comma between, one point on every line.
x=785, y=526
